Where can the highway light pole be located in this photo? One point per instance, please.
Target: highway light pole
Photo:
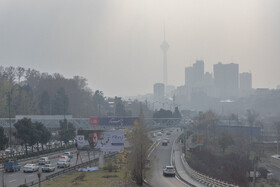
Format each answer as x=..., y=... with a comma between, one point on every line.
x=10, y=122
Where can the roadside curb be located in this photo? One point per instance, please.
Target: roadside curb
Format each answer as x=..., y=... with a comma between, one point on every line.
x=172, y=162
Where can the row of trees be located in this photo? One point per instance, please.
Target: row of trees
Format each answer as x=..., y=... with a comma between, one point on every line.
x=35, y=93
x=238, y=148
x=31, y=133
x=167, y=113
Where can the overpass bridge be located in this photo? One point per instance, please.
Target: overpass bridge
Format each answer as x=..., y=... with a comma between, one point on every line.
x=85, y=123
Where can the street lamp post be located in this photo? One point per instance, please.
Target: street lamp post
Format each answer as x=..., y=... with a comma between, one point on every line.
x=10, y=122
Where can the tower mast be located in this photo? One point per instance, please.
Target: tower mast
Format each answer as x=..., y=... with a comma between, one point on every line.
x=164, y=47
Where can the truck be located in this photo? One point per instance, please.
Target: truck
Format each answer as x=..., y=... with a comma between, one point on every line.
x=11, y=166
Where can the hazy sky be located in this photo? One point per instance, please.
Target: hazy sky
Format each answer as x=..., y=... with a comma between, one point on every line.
x=115, y=44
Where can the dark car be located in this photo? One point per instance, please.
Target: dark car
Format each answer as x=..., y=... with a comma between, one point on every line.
x=164, y=143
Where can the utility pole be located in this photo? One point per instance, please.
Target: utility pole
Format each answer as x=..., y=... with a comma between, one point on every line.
x=10, y=122
x=3, y=182
x=39, y=177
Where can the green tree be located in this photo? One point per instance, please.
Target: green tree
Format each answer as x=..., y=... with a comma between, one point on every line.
x=44, y=103
x=163, y=114
x=3, y=139
x=225, y=140
x=67, y=131
x=119, y=107
x=26, y=132
x=177, y=113
x=60, y=102
x=98, y=102
x=138, y=155
x=43, y=134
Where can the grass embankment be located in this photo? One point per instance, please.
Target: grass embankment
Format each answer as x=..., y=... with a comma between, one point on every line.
x=101, y=178
x=114, y=174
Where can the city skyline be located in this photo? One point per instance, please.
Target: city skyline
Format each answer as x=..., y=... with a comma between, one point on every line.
x=115, y=45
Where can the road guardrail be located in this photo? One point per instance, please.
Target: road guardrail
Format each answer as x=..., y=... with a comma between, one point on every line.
x=204, y=179
x=69, y=169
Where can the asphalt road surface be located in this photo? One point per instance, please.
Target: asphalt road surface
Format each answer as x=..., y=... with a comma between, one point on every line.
x=160, y=157
x=13, y=179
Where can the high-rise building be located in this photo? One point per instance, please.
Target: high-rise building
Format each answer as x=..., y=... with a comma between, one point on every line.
x=188, y=76
x=198, y=71
x=158, y=92
x=226, y=80
x=245, y=81
x=194, y=74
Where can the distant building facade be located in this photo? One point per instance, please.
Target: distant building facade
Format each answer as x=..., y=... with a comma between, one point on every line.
x=226, y=80
x=245, y=81
x=194, y=74
x=245, y=88
x=159, y=91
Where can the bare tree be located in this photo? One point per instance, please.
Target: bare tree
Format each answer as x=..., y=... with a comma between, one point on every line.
x=139, y=152
x=251, y=117
x=10, y=73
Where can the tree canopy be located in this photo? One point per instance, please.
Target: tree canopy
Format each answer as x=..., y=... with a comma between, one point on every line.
x=67, y=131
x=31, y=133
x=3, y=139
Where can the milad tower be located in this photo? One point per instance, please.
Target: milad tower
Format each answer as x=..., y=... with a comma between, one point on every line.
x=164, y=47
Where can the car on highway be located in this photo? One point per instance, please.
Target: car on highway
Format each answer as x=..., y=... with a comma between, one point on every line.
x=30, y=168
x=166, y=139
x=48, y=168
x=169, y=171
x=159, y=134
x=168, y=133
x=44, y=160
x=64, y=157
x=10, y=150
x=63, y=164
x=164, y=143
x=68, y=154
x=11, y=166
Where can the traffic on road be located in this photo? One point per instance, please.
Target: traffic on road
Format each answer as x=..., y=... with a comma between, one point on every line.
x=163, y=172
x=28, y=172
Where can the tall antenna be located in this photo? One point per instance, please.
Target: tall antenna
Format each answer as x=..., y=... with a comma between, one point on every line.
x=164, y=47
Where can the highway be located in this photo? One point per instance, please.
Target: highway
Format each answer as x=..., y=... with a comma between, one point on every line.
x=160, y=157
x=13, y=179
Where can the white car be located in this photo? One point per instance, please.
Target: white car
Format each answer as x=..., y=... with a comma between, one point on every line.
x=63, y=164
x=68, y=154
x=64, y=157
x=159, y=134
x=48, y=168
x=30, y=168
x=44, y=160
x=169, y=171
x=10, y=150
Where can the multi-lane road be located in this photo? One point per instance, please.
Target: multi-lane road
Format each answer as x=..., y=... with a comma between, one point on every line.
x=160, y=157
x=13, y=179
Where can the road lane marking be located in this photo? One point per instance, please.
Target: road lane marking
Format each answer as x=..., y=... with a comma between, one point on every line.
x=153, y=150
x=30, y=175
x=13, y=180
